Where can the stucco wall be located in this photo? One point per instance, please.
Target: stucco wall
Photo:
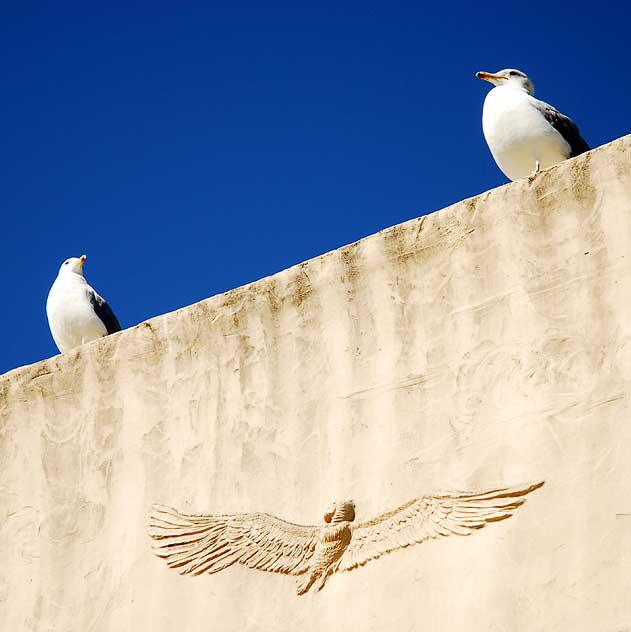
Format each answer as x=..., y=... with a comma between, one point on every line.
x=487, y=344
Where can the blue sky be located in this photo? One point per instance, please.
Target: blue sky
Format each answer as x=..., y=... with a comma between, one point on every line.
x=189, y=149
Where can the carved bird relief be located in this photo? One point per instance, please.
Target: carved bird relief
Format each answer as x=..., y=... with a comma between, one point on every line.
x=199, y=544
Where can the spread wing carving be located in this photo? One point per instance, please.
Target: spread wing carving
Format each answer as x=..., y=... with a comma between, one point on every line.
x=450, y=513
x=199, y=544
x=207, y=544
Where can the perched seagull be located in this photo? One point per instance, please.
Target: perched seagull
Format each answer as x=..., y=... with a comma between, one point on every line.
x=76, y=313
x=524, y=134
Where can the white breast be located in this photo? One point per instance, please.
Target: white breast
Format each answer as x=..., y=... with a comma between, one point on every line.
x=71, y=317
x=518, y=134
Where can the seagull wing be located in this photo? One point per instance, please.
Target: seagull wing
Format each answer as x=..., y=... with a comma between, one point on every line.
x=103, y=311
x=450, y=513
x=565, y=126
x=207, y=544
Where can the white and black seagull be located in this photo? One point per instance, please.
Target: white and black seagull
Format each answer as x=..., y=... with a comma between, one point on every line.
x=524, y=134
x=76, y=313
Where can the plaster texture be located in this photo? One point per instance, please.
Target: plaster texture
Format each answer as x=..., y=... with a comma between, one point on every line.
x=485, y=345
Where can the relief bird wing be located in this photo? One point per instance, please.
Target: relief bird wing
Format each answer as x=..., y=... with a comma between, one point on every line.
x=449, y=513
x=199, y=544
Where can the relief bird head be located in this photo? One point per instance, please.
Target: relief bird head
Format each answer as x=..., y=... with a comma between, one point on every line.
x=340, y=511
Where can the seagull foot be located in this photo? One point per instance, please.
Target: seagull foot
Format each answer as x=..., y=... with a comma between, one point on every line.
x=535, y=173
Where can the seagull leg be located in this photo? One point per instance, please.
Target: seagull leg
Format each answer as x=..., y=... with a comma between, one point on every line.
x=534, y=174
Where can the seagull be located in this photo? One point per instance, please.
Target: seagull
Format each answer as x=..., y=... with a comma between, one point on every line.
x=525, y=135
x=76, y=313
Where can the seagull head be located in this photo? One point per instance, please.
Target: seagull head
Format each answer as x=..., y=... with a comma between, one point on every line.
x=508, y=78
x=73, y=265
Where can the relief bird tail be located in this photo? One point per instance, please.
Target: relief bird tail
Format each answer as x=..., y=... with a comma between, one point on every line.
x=304, y=582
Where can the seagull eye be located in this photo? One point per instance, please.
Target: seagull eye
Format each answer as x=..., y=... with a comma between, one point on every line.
x=514, y=73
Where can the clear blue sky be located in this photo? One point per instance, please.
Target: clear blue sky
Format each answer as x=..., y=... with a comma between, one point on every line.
x=191, y=149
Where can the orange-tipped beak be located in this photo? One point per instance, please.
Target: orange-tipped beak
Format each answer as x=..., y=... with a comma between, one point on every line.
x=487, y=76
x=82, y=259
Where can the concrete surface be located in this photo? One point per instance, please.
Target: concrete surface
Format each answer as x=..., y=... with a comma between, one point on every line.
x=488, y=344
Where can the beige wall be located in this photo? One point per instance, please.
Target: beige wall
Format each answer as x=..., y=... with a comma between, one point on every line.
x=486, y=344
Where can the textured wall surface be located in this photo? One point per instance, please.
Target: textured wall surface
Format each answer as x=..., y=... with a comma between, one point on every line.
x=483, y=345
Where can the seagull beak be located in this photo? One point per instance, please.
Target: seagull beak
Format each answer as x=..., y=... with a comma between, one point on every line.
x=487, y=76
x=82, y=259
